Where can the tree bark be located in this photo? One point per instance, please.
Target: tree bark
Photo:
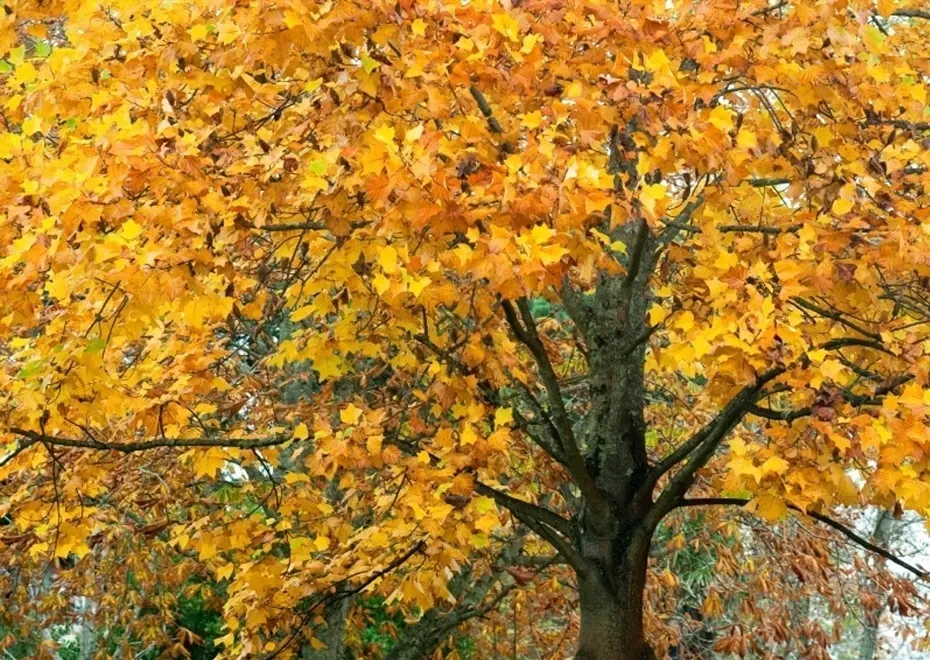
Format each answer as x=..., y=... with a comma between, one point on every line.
x=868, y=643
x=332, y=635
x=611, y=603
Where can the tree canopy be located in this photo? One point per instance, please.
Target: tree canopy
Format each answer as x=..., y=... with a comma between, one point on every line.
x=315, y=299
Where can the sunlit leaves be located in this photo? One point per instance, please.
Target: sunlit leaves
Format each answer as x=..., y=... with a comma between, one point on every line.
x=297, y=224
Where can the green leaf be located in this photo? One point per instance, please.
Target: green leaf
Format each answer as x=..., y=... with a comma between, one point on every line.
x=95, y=345
x=43, y=48
x=30, y=369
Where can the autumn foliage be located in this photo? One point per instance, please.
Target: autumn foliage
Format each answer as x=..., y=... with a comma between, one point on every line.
x=456, y=302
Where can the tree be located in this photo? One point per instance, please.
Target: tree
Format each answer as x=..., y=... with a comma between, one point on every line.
x=317, y=298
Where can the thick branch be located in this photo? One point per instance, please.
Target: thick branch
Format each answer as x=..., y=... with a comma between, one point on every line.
x=485, y=108
x=681, y=222
x=562, y=546
x=701, y=447
x=521, y=508
x=575, y=307
x=912, y=13
x=874, y=399
x=636, y=255
x=779, y=415
x=526, y=333
x=843, y=529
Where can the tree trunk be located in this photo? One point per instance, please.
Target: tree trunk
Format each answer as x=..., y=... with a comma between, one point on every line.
x=332, y=635
x=612, y=608
x=868, y=643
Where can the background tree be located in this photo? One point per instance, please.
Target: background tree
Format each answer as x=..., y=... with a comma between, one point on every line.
x=321, y=298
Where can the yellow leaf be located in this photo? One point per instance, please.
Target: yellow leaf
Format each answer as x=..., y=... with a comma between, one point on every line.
x=59, y=285
x=130, y=230
x=206, y=544
x=919, y=92
x=198, y=32
x=913, y=395
x=841, y=206
x=32, y=125
x=301, y=313
x=541, y=234
x=725, y=261
x=208, y=462
x=653, y=199
x=685, y=321
x=321, y=543
x=721, y=118
x=418, y=284
x=479, y=541
x=413, y=134
x=381, y=283
x=657, y=61
x=552, y=254
x=419, y=27
x=831, y=369
x=657, y=314
x=385, y=134
x=503, y=417
x=469, y=437
x=746, y=139
x=769, y=507
x=506, y=25
x=350, y=414
x=301, y=432
x=775, y=464
x=487, y=522
x=388, y=259
x=532, y=120
x=25, y=73
x=228, y=32
x=301, y=548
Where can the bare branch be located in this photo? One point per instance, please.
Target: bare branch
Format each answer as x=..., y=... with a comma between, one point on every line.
x=760, y=229
x=300, y=226
x=767, y=183
x=843, y=529
x=129, y=447
x=835, y=316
